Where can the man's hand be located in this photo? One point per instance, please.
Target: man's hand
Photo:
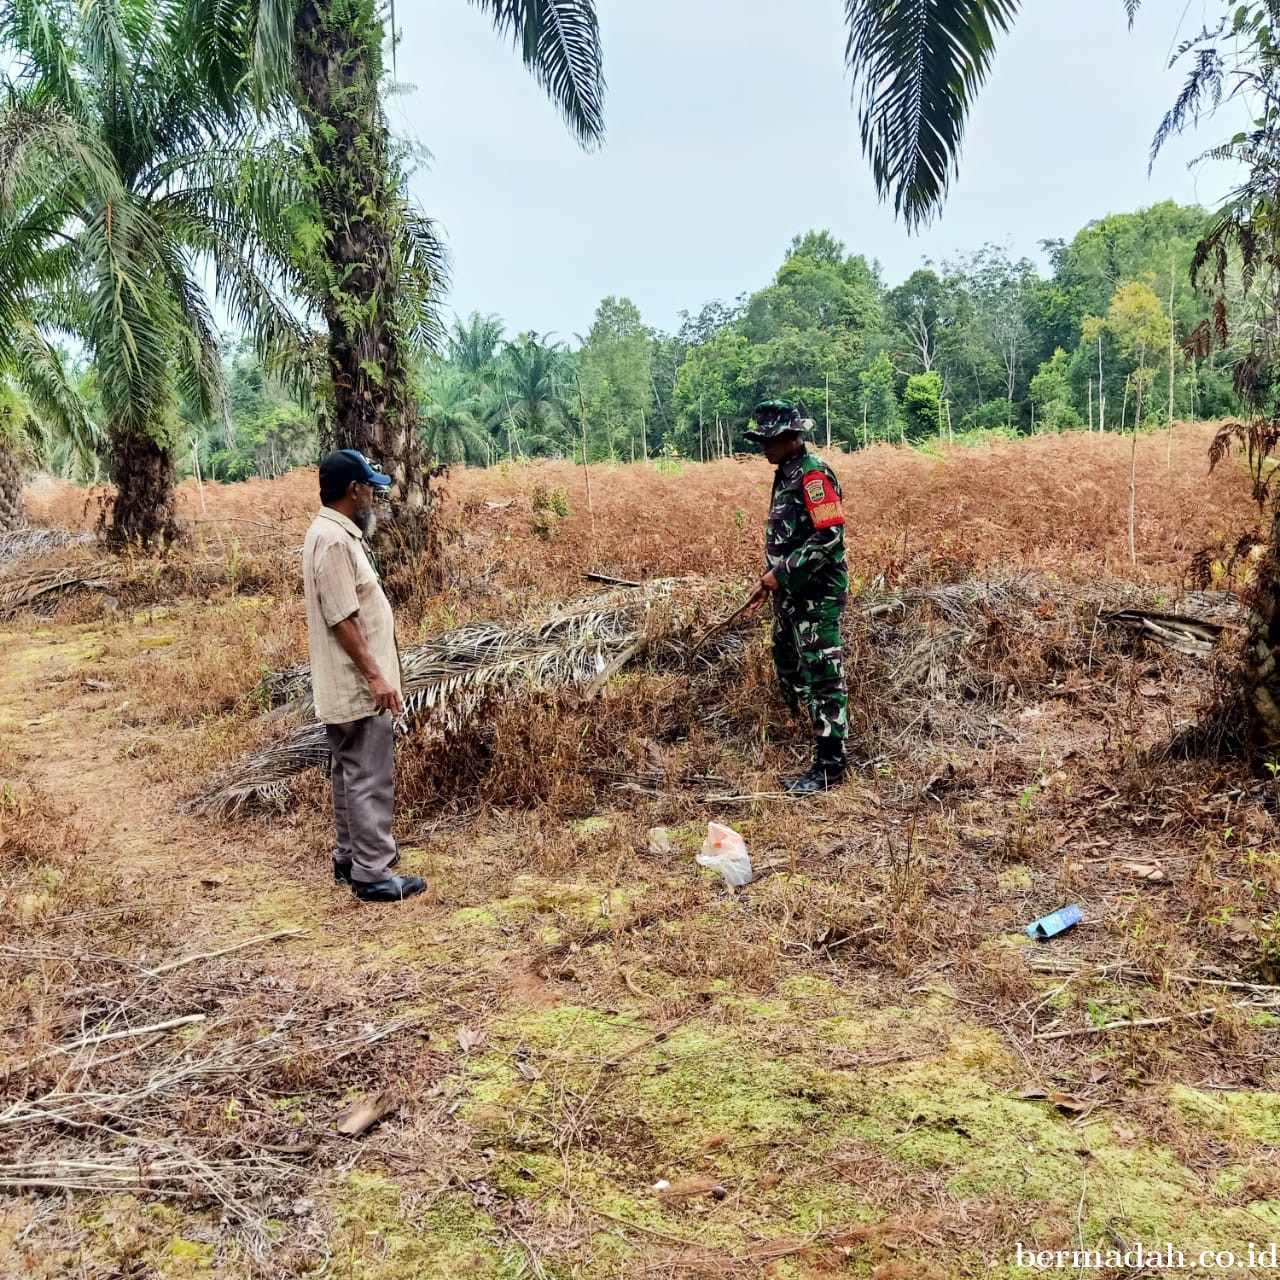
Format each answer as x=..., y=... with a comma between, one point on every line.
x=766, y=585
x=386, y=697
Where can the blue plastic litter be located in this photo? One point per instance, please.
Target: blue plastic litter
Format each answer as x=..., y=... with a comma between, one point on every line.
x=1059, y=922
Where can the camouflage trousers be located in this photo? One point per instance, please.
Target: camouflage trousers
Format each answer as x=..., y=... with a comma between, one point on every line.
x=809, y=658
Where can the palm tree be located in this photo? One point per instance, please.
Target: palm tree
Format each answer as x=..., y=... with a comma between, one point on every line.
x=451, y=428
x=920, y=65
x=41, y=408
x=917, y=69
x=473, y=343
x=44, y=418
x=123, y=250
x=531, y=397
x=13, y=511
x=325, y=58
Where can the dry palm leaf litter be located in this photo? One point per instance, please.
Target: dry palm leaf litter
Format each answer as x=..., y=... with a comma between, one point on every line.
x=449, y=680
x=934, y=660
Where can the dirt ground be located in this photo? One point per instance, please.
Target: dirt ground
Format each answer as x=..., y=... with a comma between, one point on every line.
x=594, y=1058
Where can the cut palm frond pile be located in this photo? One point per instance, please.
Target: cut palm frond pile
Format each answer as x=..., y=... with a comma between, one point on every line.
x=41, y=588
x=960, y=603
x=940, y=661
x=931, y=661
x=448, y=679
x=19, y=544
x=1197, y=636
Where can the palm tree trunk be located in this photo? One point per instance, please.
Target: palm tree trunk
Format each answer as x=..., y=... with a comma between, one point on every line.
x=145, y=509
x=13, y=511
x=338, y=44
x=1260, y=675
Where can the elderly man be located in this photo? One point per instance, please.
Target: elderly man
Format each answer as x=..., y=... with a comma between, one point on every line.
x=355, y=676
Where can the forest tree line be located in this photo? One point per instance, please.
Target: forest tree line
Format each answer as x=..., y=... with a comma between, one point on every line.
x=979, y=343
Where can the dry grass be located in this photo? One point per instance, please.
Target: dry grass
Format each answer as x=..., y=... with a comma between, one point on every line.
x=1053, y=502
x=826, y=1065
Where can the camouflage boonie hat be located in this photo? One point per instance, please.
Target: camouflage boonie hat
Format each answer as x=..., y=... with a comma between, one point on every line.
x=775, y=418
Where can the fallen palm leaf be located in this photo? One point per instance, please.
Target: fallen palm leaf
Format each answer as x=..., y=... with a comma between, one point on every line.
x=22, y=591
x=264, y=779
x=447, y=679
x=19, y=544
x=1183, y=632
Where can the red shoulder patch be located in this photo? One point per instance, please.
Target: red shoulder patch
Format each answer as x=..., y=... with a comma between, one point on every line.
x=823, y=501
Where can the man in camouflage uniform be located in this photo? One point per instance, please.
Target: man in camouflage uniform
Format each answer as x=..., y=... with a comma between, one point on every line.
x=807, y=577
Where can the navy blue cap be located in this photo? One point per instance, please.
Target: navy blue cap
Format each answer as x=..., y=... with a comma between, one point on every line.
x=343, y=467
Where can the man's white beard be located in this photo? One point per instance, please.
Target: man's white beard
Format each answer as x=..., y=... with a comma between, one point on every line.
x=367, y=522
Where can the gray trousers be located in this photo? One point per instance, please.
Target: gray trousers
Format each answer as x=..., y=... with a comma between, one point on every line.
x=363, y=753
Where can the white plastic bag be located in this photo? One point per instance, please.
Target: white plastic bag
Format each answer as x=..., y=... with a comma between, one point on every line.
x=725, y=851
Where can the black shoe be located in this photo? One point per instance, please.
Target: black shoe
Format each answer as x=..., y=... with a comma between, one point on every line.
x=342, y=870
x=828, y=771
x=394, y=890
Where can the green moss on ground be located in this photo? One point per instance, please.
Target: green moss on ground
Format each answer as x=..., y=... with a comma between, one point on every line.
x=381, y=1234
x=1016, y=877
x=744, y=1099
x=186, y=1258
x=1231, y=1115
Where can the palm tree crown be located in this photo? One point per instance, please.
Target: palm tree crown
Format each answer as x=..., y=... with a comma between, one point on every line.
x=917, y=68
x=113, y=255
x=450, y=416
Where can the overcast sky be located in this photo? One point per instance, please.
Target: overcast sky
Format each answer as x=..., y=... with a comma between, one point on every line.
x=730, y=129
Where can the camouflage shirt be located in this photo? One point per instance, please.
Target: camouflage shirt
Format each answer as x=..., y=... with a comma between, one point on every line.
x=804, y=540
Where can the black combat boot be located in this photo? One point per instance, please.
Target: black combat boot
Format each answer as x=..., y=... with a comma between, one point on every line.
x=828, y=770
x=395, y=889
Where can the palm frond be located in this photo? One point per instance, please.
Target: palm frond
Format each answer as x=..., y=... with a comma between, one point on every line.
x=129, y=320
x=448, y=679
x=21, y=544
x=222, y=50
x=55, y=400
x=107, y=30
x=200, y=376
x=42, y=586
x=559, y=42
x=917, y=68
x=1202, y=92
x=44, y=149
x=37, y=36
x=231, y=205
x=272, y=49
x=424, y=277
x=264, y=779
